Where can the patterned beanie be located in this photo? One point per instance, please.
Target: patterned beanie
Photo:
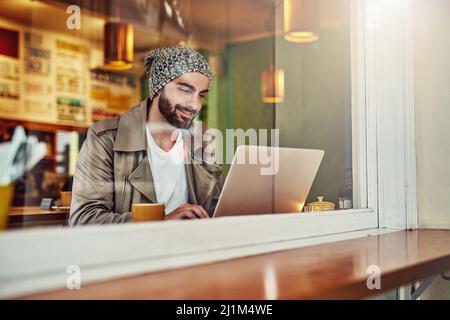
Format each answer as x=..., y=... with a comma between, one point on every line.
x=165, y=64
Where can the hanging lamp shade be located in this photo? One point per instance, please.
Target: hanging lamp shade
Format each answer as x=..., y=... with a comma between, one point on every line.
x=118, y=45
x=300, y=21
x=272, y=85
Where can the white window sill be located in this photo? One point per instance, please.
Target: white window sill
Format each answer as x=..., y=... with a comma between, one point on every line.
x=37, y=260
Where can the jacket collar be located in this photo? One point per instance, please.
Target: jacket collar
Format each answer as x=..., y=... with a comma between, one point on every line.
x=131, y=129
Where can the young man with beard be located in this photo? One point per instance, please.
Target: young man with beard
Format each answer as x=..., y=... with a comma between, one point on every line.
x=146, y=155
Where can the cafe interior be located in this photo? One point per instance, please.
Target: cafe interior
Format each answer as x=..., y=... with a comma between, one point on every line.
x=366, y=82
x=65, y=67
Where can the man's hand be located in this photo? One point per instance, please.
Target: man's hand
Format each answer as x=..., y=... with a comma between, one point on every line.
x=188, y=211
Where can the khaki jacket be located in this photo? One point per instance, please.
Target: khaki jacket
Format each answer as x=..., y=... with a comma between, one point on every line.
x=113, y=172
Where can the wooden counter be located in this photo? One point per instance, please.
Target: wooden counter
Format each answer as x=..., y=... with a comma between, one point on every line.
x=332, y=270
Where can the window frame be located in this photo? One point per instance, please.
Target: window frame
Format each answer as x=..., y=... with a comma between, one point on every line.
x=382, y=84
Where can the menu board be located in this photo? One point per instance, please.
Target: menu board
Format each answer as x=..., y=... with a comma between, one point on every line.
x=112, y=94
x=72, y=72
x=37, y=78
x=46, y=76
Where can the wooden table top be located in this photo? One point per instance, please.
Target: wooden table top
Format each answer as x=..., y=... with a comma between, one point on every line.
x=27, y=217
x=331, y=270
x=35, y=210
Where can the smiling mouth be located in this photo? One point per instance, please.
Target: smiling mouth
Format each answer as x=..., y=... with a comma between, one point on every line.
x=185, y=114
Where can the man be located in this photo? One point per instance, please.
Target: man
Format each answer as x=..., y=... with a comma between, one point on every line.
x=146, y=155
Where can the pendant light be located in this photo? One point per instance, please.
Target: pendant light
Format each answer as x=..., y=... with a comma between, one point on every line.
x=272, y=79
x=300, y=21
x=272, y=85
x=118, y=44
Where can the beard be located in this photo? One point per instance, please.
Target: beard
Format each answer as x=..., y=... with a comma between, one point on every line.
x=169, y=112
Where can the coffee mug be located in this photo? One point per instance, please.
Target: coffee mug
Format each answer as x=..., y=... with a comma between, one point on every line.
x=6, y=196
x=66, y=198
x=148, y=212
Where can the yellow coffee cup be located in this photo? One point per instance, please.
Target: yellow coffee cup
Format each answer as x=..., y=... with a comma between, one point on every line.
x=6, y=195
x=143, y=212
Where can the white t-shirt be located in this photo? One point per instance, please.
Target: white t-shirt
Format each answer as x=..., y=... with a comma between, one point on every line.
x=168, y=171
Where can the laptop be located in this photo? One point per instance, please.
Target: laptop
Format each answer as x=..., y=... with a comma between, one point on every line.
x=268, y=180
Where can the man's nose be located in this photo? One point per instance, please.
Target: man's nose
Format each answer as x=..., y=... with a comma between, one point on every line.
x=194, y=104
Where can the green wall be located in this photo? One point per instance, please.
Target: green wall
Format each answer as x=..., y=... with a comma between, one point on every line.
x=234, y=100
x=247, y=61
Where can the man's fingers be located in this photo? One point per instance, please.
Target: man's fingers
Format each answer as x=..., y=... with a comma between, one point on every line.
x=204, y=211
x=192, y=211
x=189, y=215
x=199, y=211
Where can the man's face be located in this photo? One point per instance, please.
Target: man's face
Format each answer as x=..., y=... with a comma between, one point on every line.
x=181, y=99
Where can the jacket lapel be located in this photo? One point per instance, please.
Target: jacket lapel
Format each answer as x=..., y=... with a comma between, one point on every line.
x=200, y=183
x=131, y=139
x=190, y=184
x=142, y=180
x=201, y=176
x=131, y=129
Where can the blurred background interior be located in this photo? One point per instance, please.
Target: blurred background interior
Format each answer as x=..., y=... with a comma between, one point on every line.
x=282, y=64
